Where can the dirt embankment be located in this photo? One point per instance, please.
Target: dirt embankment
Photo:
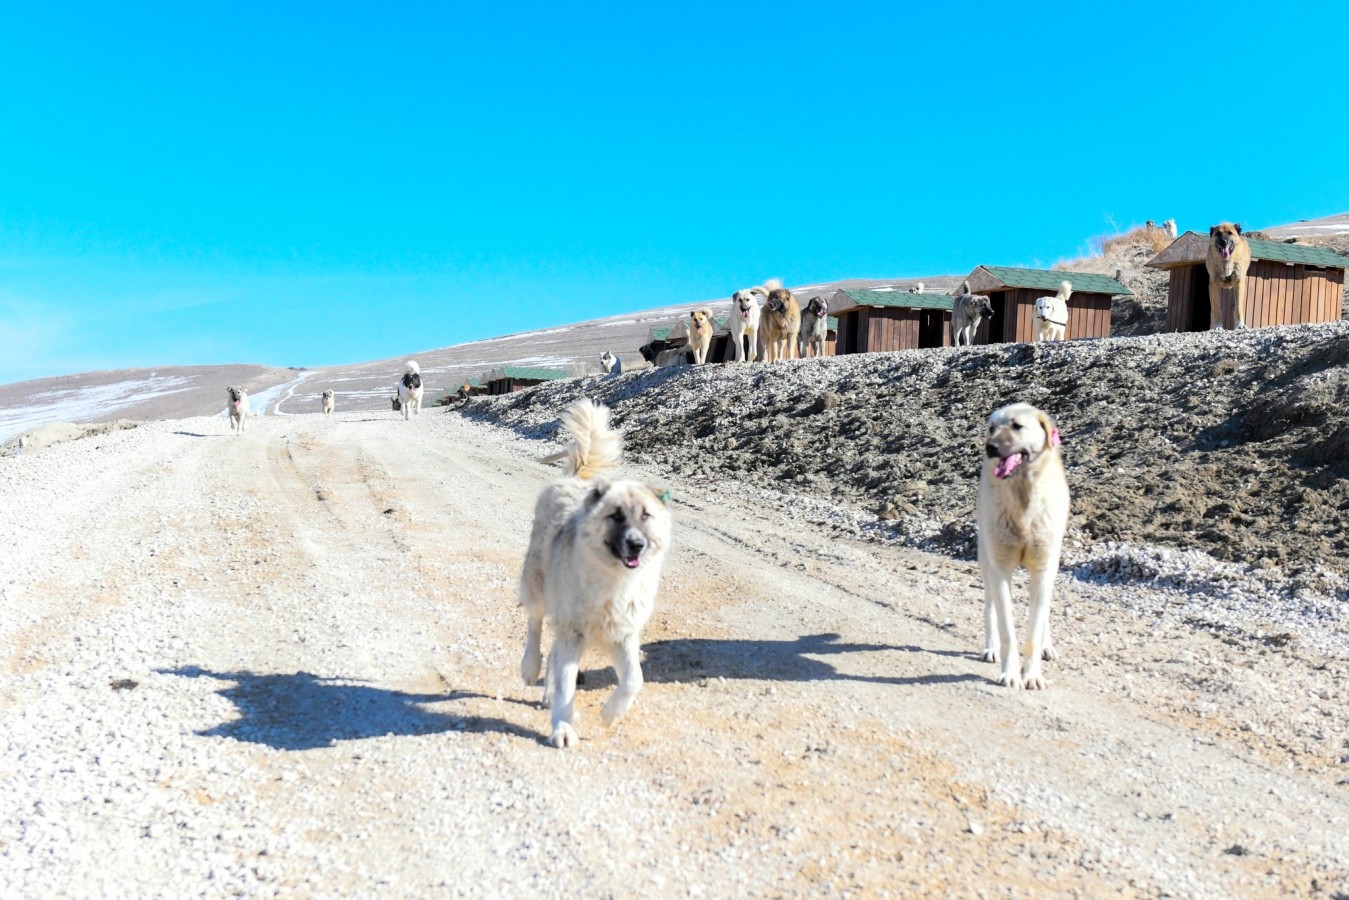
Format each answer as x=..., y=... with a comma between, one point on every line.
x=1230, y=443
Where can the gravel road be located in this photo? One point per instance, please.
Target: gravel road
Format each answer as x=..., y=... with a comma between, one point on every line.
x=285, y=663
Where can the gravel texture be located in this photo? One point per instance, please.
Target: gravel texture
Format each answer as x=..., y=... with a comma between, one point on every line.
x=284, y=664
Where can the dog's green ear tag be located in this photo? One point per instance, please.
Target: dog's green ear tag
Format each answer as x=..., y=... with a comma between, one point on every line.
x=666, y=497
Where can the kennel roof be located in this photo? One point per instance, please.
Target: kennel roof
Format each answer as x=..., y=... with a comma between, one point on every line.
x=842, y=301
x=1191, y=247
x=998, y=278
x=524, y=373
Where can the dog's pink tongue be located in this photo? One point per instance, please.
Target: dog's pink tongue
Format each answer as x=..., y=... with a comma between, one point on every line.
x=1226, y=252
x=1008, y=465
x=632, y=562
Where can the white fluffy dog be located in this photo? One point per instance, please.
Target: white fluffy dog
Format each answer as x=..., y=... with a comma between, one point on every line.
x=1022, y=516
x=410, y=390
x=746, y=308
x=1051, y=314
x=611, y=364
x=327, y=402
x=238, y=408
x=592, y=569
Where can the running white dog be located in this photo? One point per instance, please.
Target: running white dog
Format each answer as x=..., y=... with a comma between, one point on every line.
x=1022, y=516
x=327, y=402
x=410, y=390
x=592, y=569
x=1051, y=314
x=238, y=408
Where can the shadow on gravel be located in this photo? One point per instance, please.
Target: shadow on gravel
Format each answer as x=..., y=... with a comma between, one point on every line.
x=305, y=712
x=685, y=660
x=195, y=434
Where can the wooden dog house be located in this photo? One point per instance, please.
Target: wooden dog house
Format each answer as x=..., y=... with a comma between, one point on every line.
x=1287, y=284
x=1013, y=293
x=508, y=379
x=875, y=321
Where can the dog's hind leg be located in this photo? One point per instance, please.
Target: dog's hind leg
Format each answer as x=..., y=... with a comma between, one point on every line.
x=1241, y=304
x=628, y=665
x=563, y=664
x=532, y=661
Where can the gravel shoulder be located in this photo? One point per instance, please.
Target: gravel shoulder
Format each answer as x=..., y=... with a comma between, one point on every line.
x=286, y=663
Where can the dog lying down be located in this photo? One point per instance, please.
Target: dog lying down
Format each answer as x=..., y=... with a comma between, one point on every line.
x=592, y=569
x=1022, y=513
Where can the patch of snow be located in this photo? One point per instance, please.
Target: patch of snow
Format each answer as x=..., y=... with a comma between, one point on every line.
x=85, y=404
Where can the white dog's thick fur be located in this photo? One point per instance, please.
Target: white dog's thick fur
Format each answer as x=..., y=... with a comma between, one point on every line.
x=410, y=390
x=238, y=408
x=1051, y=314
x=610, y=363
x=746, y=308
x=1022, y=516
x=327, y=402
x=592, y=569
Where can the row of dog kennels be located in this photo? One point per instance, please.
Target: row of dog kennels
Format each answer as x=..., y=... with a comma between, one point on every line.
x=1287, y=284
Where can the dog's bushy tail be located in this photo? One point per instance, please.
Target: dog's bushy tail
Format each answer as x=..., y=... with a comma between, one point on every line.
x=413, y=368
x=1065, y=290
x=595, y=446
x=771, y=285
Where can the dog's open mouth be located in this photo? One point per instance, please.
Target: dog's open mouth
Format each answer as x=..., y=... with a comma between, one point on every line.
x=1225, y=251
x=1009, y=464
x=632, y=561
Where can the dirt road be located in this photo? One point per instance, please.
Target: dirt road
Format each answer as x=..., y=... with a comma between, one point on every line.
x=287, y=663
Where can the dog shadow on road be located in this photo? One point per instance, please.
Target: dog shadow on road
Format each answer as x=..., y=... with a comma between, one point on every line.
x=301, y=711
x=791, y=660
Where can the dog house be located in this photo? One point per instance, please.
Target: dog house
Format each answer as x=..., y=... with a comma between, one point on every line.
x=873, y=321
x=1287, y=284
x=508, y=379
x=1013, y=293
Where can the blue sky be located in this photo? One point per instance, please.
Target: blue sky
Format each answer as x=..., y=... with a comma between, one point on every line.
x=197, y=183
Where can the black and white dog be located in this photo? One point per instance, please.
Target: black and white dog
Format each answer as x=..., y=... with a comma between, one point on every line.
x=410, y=390
x=814, y=328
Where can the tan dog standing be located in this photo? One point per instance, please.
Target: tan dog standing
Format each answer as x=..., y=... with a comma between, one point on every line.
x=1228, y=258
x=781, y=322
x=1022, y=516
x=700, y=334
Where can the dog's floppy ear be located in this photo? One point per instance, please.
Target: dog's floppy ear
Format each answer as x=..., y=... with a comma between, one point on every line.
x=1238, y=228
x=597, y=492
x=1052, y=436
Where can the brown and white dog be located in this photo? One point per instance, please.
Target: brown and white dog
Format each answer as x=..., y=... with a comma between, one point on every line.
x=1051, y=314
x=746, y=310
x=967, y=310
x=1022, y=514
x=781, y=322
x=327, y=402
x=592, y=570
x=1228, y=258
x=814, y=328
x=238, y=408
x=700, y=334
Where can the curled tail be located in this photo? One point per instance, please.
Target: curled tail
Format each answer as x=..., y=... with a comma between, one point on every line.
x=594, y=446
x=1065, y=290
x=413, y=368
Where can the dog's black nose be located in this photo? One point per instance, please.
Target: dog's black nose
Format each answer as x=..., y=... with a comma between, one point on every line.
x=634, y=542
x=990, y=450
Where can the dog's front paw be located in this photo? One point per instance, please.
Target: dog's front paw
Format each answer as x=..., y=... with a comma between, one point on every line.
x=615, y=708
x=1010, y=679
x=1241, y=326
x=564, y=737
x=1034, y=681
x=989, y=655
x=530, y=667
x=1217, y=327
x=1049, y=653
